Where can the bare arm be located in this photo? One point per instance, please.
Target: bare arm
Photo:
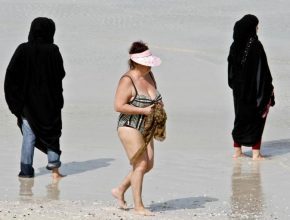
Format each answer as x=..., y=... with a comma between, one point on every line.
x=125, y=92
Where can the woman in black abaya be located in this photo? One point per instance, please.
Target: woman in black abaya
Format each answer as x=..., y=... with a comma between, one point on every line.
x=250, y=79
x=33, y=92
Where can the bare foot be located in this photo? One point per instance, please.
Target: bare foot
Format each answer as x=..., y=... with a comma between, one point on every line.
x=238, y=155
x=258, y=157
x=56, y=174
x=143, y=211
x=120, y=197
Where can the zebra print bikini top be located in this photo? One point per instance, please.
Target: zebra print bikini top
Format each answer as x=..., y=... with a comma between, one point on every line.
x=141, y=101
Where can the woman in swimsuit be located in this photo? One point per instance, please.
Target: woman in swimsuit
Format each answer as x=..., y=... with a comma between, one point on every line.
x=135, y=95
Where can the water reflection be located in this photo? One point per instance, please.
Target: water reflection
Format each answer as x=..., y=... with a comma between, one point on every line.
x=52, y=190
x=247, y=194
x=26, y=189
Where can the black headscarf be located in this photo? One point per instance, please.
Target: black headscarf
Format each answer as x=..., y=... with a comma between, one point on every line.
x=250, y=78
x=33, y=84
x=41, y=31
x=245, y=28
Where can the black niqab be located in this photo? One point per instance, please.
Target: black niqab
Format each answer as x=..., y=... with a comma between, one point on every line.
x=250, y=78
x=33, y=84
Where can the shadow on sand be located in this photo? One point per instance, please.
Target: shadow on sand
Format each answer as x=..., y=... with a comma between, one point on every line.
x=183, y=203
x=271, y=149
x=276, y=147
x=72, y=168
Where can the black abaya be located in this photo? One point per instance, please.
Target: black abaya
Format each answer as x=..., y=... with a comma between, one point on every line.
x=252, y=87
x=250, y=79
x=33, y=85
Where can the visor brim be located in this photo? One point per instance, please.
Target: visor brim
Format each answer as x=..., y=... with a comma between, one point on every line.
x=148, y=61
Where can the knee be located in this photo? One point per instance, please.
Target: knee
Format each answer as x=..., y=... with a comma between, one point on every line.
x=149, y=167
x=28, y=136
x=141, y=166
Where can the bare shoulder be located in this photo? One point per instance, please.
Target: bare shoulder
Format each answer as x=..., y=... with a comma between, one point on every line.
x=125, y=83
x=125, y=87
x=126, y=79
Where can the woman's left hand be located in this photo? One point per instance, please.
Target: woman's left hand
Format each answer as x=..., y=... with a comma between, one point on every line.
x=161, y=103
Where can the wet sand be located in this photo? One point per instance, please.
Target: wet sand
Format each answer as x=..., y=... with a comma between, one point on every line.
x=194, y=176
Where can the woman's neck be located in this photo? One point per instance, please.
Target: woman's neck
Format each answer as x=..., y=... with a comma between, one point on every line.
x=141, y=72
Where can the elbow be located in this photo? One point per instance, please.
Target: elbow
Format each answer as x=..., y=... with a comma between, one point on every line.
x=117, y=108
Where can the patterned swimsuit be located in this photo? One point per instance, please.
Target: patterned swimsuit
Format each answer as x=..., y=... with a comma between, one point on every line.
x=141, y=101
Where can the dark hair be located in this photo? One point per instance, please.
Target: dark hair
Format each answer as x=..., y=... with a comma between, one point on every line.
x=136, y=47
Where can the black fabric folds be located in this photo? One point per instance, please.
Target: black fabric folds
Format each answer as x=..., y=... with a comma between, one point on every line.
x=33, y=84
x=250, y=79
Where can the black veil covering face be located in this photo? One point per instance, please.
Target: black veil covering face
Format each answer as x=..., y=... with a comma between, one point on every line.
x=250, y=78
x=33, y=84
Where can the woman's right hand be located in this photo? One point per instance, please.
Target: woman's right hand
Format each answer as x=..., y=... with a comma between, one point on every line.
x=147, y=110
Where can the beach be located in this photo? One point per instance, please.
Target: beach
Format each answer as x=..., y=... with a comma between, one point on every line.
x=194, y=175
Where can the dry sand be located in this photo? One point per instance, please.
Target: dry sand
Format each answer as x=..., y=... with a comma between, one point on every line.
x=194, y=176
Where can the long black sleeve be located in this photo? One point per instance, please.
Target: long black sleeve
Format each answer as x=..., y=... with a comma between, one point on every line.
x=14, y=82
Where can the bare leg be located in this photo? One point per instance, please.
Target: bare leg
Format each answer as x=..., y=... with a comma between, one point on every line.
x=257, y=155
x=238, y=153
x=119, y=191
x=132, y=140
x=256, y=151
x=150, y=156
x=139, y=169
x=56, y=174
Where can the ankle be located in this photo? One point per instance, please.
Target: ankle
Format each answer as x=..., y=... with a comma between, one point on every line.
x=122, y=188
x=256, y=153
x=139, y=208
x=55, y=171
x=238, y=150
x=56, y=174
